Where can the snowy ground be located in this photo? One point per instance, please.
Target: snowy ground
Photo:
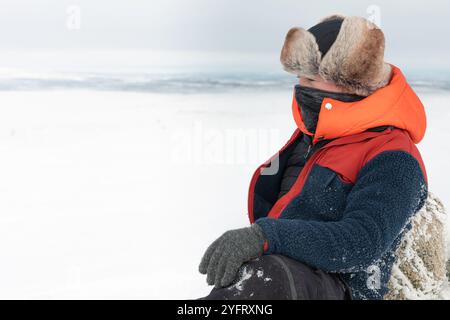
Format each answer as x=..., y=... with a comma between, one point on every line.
x=117, y=195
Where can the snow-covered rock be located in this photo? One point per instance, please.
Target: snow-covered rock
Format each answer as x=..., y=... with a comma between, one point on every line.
x=420, y=268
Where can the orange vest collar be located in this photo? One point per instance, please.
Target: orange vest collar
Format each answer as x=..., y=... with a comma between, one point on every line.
x=394, y=105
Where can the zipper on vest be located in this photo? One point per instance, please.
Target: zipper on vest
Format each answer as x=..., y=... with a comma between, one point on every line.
x=308, y=151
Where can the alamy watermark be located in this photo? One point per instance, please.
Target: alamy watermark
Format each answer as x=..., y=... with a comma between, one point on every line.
x=374, y=278
x=73, y=17
x=374, y=14
x=199, y=145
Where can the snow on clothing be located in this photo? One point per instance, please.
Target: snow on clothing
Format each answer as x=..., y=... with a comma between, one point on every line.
x=348, y=209
x=277, y=277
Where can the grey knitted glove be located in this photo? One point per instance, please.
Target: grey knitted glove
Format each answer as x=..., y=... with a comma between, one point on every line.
x=224, y=256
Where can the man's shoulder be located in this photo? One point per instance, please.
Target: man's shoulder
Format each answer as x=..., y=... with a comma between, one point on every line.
x=349, y=159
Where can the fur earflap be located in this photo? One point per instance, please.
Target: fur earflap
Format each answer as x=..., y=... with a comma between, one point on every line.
x=300, y=54
x=355, y=61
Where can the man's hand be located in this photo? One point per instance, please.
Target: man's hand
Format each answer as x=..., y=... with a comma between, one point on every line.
x=224, y=256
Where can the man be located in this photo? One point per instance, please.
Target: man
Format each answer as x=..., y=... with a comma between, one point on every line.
x=327, y=224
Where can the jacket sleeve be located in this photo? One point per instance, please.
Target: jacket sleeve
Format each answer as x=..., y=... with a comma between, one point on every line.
x=390, y=188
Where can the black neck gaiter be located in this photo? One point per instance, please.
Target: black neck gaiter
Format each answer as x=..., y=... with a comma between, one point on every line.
x=310, y=100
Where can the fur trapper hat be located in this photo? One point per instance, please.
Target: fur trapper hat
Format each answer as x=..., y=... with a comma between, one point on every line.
x=353, y=59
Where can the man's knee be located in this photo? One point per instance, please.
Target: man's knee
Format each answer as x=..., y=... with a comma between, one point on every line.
x=277, y=277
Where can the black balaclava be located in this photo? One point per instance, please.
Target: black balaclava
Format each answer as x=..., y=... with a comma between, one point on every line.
x=310, y=99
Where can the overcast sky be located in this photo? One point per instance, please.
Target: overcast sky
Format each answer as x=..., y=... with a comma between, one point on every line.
x=415, y=30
